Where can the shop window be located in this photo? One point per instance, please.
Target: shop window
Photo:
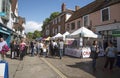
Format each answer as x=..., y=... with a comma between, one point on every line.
x=105, y=14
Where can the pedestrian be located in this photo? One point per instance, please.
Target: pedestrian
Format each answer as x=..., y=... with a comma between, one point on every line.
x=94, y=54
x=55, y=48
x=32, y=48
x=3, y=48
x=110, y=56
x=61, y=47
x=38, y=48
x=22, y=49
x=51, y=48
x=44, y=50
x=41, y=47
x=14, y=48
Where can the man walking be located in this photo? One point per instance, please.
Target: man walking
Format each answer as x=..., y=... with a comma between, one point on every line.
x=61, y=47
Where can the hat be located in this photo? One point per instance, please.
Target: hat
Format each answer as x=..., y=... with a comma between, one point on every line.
x=1, y=36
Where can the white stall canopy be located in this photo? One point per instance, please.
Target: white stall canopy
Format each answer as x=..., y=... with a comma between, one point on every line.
x=84, y=32
x=65, y=34
x=58, y=35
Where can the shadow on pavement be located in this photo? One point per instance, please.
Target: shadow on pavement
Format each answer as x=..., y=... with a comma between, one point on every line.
x=86, y=66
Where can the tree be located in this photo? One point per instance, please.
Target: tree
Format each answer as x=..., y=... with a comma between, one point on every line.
x=30, y=35
x=36, y=34
x=53, y=15
x=47, y=20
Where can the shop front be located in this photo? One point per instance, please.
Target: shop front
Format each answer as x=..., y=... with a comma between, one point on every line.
x=6, y=32
x=110, y=32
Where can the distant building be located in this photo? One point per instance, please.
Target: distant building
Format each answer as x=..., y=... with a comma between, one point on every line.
x=57, y=25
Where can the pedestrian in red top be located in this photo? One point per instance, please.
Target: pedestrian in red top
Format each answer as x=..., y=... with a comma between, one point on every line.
x=22, y=49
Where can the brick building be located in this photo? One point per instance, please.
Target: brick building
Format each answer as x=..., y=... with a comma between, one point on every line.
x=57, y=25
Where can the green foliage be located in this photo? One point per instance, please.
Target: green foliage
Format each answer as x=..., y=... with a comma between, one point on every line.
x=47, y=20
x=53, y=15
x=36, y=34
x=30, y=35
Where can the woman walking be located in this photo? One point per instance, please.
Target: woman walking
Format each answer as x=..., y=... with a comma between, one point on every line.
x=3, y=48
x=94, y=54
x=22, y=49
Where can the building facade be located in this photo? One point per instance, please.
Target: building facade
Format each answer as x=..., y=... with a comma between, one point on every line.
x=8, y=18
x=57, y=25
x=101, y=16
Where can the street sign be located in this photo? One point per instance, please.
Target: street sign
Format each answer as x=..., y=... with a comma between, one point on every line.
x=2, y=13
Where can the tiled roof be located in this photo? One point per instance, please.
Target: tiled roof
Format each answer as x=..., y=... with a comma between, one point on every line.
x=92, y=7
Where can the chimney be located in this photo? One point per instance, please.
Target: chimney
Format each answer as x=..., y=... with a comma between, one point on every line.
x=63, y=7
x=77, y=8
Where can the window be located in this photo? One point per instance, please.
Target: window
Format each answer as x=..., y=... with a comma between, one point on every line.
x=6, y=8
x=85, y=20
x=78, y=24
x=72, y=26
x=59, y=28
x=59, y=19
x=56, y=31
x=68, y=27
x=105, y=14
x=53, y=30
x=47, y=32
x=56, y=21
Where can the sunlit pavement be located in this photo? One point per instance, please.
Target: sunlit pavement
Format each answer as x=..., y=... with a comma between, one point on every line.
x=67, y=67
x=30, y=67
x=81, y=68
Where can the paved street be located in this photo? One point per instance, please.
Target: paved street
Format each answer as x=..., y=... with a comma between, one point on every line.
x=81, y=68
x=31, y=67
x=67, y=67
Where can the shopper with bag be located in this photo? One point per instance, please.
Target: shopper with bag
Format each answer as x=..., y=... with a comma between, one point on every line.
x=94, y=54
x=22, y=49
x=3, y=48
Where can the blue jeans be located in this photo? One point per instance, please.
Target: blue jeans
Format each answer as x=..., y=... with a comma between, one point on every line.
x=94, y=63
x=32, y=51
x=61, y=53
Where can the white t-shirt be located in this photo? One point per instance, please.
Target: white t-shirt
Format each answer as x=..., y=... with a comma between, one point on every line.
x=2, y=44
x=61, y=44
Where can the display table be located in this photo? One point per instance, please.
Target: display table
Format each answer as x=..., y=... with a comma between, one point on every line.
x=81, y=52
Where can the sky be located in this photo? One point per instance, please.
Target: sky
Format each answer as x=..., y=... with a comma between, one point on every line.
x=35, y=11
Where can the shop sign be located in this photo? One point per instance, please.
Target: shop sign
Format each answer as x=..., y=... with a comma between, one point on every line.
x=2, y=14
x=116, y=33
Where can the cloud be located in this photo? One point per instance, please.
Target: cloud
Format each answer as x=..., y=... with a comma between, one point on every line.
x=31, y=26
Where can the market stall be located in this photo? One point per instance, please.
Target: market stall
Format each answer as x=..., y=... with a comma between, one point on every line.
x=79, y=48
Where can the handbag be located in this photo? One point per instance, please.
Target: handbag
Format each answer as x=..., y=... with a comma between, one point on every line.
x=5, y=49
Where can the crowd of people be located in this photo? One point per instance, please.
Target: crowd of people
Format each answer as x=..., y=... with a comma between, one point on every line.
x=54, y=48
x=37, y=48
